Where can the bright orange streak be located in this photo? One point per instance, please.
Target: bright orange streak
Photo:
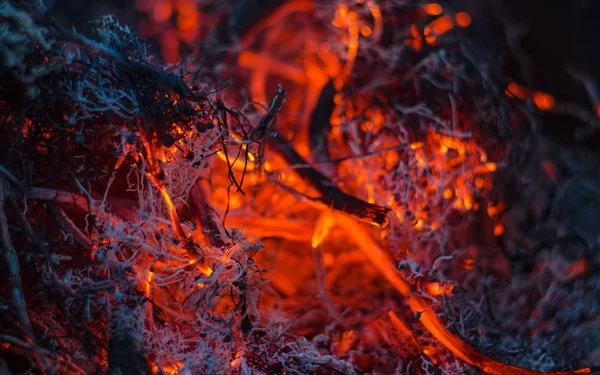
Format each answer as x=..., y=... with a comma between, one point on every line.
x=160, y=186
x=353, y=31
x=262, y=226
x=543, y=100
x=205, y=269
x=179, y=233
x=323, y=227
x=437, y=28
x=148, y=282
x=376, y=13
x=403, y=329
x=288, y=7
x=422, y=308
x=463, y=19
x=238, y=164
x=433, y=9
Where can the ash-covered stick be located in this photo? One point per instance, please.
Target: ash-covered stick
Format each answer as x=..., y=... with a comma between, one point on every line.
x=206, y=215
x=132, y=65
x=331, y=195
x=118, y=206
x=69, y=226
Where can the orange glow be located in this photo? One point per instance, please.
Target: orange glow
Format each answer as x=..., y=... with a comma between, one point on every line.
x=162, y=11
x=468, y=202
x=434, y=288
x=170, y=46
x=345, y=343
x=235, y=363
x=437, y=28
x=376, y=13
x=205, y=269
x=172, y=369
x=494, y=210
x=491, y=167
x=350, y=19
x=433, y=9
x=416, y=145
x=448, y=194
x=576, y=269
x=415, y=40
x=517, y=91
x=240, y=164
x=543, y=101
x=172, y=211
x=188, y=17
x=463, y=19
x=419, y=224
x=498, y=229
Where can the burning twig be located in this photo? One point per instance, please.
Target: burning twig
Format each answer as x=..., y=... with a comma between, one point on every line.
x=206, y=215
x=265, y=127
x=332, y=196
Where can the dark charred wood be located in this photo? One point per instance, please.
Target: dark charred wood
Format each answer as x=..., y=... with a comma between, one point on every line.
x=319, y=124
x=331, y=195
x=203, y=212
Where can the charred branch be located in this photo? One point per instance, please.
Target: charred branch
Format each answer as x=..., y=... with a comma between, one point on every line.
x=331, y=195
